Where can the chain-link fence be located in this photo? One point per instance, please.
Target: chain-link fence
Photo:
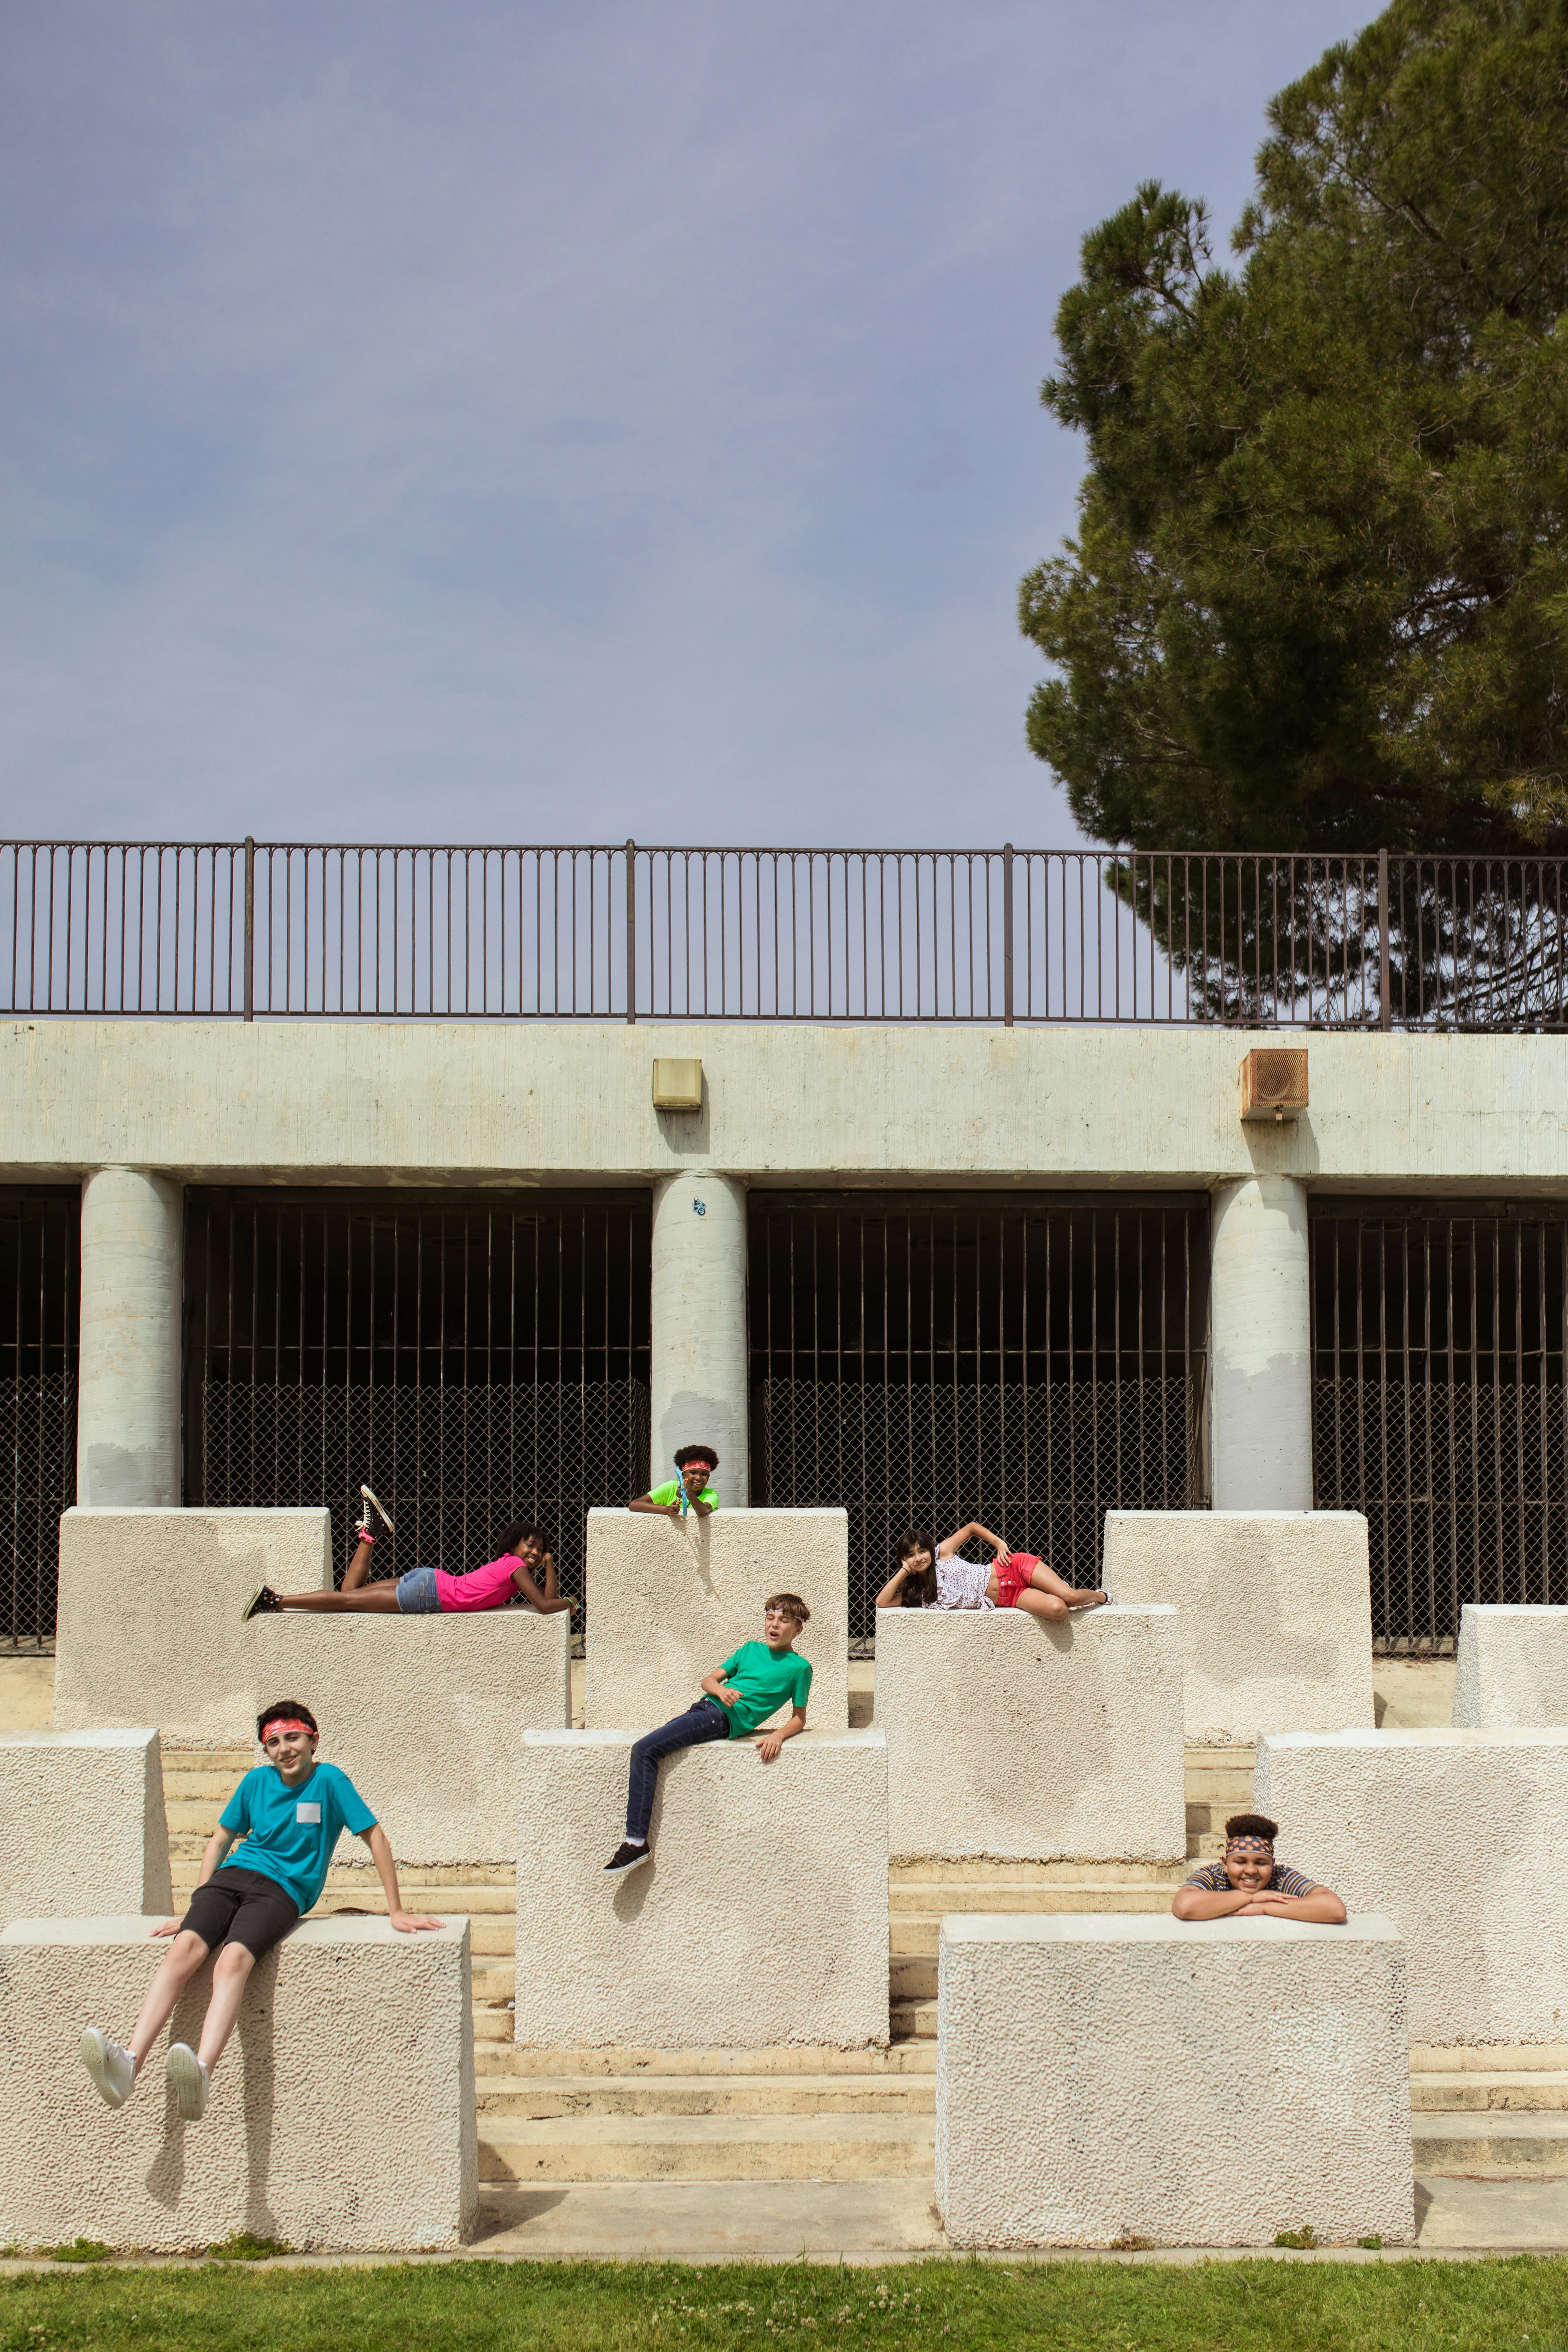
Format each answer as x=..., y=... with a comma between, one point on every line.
x=1039, y=1467
x=453, y=1466
x=37, y=1446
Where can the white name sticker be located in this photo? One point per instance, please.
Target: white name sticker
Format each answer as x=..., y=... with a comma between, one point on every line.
x=304, y=1812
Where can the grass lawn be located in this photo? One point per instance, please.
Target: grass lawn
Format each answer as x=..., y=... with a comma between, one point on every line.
x=1517, y=2301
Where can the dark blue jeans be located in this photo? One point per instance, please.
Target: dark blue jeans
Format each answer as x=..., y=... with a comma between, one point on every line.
x=705, y=1720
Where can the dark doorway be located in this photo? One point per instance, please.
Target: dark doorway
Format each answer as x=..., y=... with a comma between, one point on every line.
x=40, y=1286
x=473, y=1358
x=1029, y=1362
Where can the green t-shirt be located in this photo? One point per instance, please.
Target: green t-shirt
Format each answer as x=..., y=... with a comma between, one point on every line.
x=670, y=1493
x=767, y=1680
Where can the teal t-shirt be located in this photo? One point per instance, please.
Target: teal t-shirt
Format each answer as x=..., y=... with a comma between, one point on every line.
x=767, y=1680
x=670, y=1493
x=290, y=1834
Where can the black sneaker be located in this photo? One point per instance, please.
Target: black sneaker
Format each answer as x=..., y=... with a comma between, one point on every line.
x=264, y=1603
x=627, y=1857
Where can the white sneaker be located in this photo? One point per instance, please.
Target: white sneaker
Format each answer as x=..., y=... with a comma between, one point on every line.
x=191, y=2081
x=373, y=1503
x=113, y=2070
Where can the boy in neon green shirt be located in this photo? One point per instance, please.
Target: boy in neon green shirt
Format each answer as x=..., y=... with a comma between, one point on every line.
x=754, y=1681
x=689, y=1492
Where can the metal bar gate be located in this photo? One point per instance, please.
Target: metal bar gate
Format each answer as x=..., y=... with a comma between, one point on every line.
x=1029, y=1362
x=1438, y=1402
x=474, y=1359
x=40, y=1230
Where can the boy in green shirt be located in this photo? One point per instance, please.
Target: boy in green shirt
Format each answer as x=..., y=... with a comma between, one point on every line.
x=753, y=1682
x=689, y=1492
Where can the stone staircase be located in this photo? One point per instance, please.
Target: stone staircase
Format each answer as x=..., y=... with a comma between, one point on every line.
x=804, y=2114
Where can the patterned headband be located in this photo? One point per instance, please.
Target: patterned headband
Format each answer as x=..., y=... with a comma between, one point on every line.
x=1249, y=1845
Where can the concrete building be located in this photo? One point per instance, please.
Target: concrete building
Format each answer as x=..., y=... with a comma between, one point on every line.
x=922, y=1268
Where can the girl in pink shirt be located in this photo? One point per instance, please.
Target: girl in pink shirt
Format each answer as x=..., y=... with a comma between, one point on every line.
x=524, y=1566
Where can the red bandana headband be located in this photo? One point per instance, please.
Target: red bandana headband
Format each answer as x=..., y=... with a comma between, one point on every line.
x=287, y=1723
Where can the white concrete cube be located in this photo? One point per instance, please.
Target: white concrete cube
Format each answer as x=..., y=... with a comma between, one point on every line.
x=342, y=2113
x=1459, y=1837
x=1512, y=1666
x=1027, y=1740
x=1276, y=1614
x=81, y=1811
x=762, y=1919
x=667, y=1601
x=149, y=1605
x=424, y=1714
x=1205, y=2083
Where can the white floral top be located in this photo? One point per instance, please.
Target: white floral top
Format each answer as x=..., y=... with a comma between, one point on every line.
x=961, y=1584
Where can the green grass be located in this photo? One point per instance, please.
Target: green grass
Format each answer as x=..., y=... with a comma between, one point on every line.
x=951, y=2306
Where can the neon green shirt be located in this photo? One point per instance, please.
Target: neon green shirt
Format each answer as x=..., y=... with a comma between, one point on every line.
x=767, y=1680
x=670, y=1493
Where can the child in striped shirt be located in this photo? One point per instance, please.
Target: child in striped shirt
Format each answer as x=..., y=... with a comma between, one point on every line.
x=1246, y=1883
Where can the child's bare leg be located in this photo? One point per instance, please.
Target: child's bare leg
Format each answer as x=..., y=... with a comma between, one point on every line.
x=183, y=1957
x=359, y=1567
x=1041, y=1604
x=229, y=1977
x=381, y=1598
x=1046, y=1580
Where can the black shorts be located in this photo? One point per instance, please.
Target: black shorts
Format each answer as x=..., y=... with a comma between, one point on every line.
x=241, y=1906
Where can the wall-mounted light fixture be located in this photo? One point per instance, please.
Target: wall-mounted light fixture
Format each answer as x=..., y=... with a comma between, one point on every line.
x=1273, y=1084
x=678, y=1085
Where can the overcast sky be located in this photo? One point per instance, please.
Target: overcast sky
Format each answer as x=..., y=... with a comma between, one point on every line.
x=440, y=420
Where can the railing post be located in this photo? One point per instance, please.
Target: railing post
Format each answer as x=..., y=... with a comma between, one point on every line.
x=1384, y=1013
x=249, y=928
x=631, y=933
x=1008, y=934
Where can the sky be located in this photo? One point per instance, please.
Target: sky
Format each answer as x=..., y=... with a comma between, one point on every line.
x=494, y=421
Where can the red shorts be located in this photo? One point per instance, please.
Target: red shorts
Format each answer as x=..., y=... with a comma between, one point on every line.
x=1013, y=1573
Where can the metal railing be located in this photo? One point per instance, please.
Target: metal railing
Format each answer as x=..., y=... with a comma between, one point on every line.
x=256, y=929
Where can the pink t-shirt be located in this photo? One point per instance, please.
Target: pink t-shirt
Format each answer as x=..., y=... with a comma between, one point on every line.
x=483, y=1588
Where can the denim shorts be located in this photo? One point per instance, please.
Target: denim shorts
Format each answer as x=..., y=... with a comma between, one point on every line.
x=416, y=1593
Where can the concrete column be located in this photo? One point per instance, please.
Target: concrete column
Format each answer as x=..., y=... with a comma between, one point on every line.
x=1262, y=1409
x=128, y=1386
x=698, y=1312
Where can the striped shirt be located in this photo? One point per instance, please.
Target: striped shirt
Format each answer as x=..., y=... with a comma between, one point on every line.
x=1282, y=1880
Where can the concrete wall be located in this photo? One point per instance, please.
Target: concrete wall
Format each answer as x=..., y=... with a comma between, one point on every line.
x=1261, y=1409
x=1512, y=1666
x=342, y=2114
x=424, y=1714
x=1013, y=1737
x=509, y=1102
x=150, y=1604
x=666, y=1603
x=127, y=1380
x=698, y=1312
x=1206, y=2083
x=762, y=1919
x=1276, y=1614
x=1459, y=1836
x=81, y=1812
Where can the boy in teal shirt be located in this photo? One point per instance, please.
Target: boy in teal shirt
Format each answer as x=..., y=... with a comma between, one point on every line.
x=689, y=1492
x=753, y=1683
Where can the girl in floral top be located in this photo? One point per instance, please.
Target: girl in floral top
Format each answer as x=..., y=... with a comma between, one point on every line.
x=935, y=1576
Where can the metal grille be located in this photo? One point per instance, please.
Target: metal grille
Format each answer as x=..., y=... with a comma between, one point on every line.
x=1031, y=1364
x=558, y=931
x=1439, y=1406
x=39, y=1287
x=473, y=1362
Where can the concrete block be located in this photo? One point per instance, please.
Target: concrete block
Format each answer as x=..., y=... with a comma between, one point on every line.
x=1512, y=1666
x=424, y=1714
x=342, y=2114
x=1276, y=1614
x=149, y=1621
x=80, y=1811
x=1206, y=2083
x=1024, y=1740
x=666, y=1603
x=762, y=1919
x=1459, y=1836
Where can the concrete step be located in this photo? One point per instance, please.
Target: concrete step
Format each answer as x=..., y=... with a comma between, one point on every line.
x=181, y=1760
x=915, y=1934
x=492, y=2025
x=916, y=1898
x=539, y=2097
x=708, y=2147
x=494, y=1981
x=898, y=2058
x=1489, y=2058
x=1487, y=2094
x=494, y=1935
x=913, y=2020
x=1471, y=2144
